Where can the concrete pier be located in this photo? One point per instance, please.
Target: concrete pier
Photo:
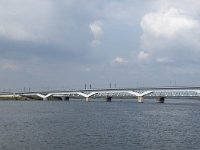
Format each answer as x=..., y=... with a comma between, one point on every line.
x=87, y=99
x=45, y=99
x=140, y=99
x=108, y=99
x=160, y=99
x=65, y=98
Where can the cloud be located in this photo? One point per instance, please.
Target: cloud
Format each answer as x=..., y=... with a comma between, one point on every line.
x=94, y=43
x=9, y=65
x=18, y=22
x=97, y=32
x=143, y=56
x=164, y=60
x=16, y=32
x=88, y=69
x=119, y=60
x=123, y=12
x=96, y=29
x=60, y=34
x=167, y=23
x=168, y=34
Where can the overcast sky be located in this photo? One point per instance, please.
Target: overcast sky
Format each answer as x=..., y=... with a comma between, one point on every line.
x=67, y=43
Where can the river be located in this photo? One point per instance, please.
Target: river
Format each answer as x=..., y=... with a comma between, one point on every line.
x=99, y=125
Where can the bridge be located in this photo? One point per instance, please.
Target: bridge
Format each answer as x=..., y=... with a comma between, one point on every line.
x=159, y=93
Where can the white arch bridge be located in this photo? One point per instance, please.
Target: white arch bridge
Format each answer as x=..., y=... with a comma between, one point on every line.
x=159, y=93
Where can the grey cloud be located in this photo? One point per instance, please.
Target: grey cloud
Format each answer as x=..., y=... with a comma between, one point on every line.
x=52, y=45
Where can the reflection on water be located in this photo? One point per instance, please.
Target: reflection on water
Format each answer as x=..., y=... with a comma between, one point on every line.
x=117, y=125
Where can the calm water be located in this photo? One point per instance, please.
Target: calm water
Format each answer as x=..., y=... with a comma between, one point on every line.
x=78, y=125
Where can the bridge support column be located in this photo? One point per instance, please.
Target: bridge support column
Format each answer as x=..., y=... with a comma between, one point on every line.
x=108, y=99
x=140, y=99
x=45, y=99
x=65, y=98
x=160, y=99
x=87, y=99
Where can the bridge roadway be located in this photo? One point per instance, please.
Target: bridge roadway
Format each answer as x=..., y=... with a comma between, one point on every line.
x=159, y=93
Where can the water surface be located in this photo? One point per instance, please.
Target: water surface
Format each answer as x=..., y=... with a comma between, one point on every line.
x=119, y=125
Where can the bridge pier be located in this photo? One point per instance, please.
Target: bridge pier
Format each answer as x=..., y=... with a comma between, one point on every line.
x=108, y=99
x=140, y=99
x=45, y=98
x=160, y=99
x=65, y=98
x=87, y=99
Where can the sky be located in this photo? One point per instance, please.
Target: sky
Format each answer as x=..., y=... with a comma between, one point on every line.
x=65, y=44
